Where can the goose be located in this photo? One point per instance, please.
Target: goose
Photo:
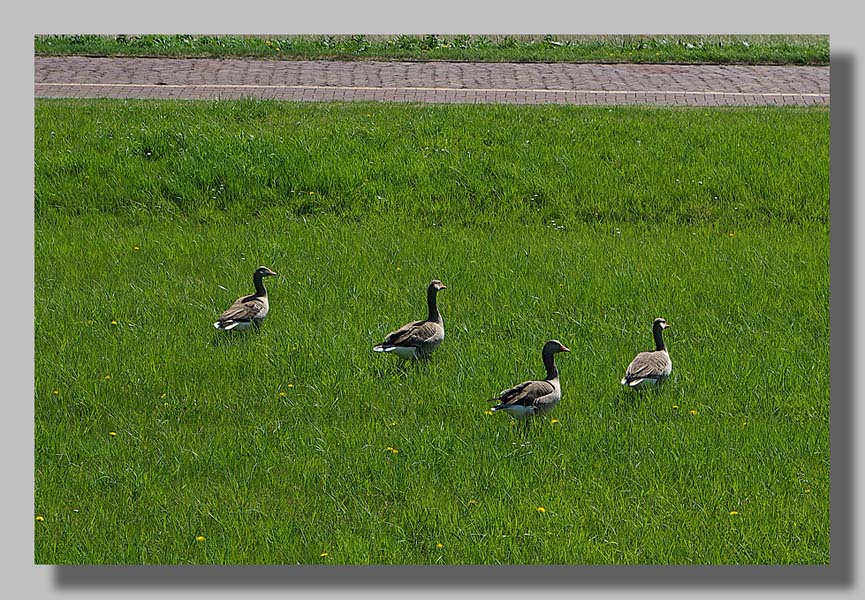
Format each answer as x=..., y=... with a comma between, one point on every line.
x=418, y=339
x=247, y=310
x=650, y=368
x=534, y=398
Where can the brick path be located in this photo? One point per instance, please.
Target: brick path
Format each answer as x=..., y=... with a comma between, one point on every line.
x=514, y=83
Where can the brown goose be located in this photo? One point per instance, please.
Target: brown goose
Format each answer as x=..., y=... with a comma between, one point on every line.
x=419, y=338
x=534, y=398
x=247, y=310
x=650, y=368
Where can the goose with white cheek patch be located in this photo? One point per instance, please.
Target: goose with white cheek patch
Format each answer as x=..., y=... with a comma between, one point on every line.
x=418, y=339
x=534, y=398
x=650, y=368
x=247, y=310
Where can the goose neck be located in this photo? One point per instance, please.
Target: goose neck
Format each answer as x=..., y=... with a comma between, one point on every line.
x=658, y=333
x=258, y=281
x=432, y=305
x=550, y=364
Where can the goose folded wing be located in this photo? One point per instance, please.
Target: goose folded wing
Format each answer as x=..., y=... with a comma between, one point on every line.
x=647, y=365
x=243, y=309
x=413, y=334
x=525, y=394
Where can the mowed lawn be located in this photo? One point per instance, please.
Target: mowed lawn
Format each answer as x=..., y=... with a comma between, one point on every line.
x=159, y=440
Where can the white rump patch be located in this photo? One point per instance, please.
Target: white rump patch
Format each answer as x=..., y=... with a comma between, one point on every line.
x=518, y=411
x=239, y=325
x=406, y=352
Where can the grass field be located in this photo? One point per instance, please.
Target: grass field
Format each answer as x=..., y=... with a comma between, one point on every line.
x=748, y=49
x=159, y=441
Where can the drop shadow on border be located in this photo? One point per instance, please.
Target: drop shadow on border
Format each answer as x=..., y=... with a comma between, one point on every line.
x=838, y=574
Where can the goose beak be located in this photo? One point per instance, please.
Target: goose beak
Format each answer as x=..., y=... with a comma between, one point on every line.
x=563, y=348
x=667, y=325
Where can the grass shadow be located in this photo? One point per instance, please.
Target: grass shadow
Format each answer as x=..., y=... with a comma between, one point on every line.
x=399, y=367
x=227, y=338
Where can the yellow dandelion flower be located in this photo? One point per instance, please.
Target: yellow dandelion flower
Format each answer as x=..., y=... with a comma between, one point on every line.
x=290, y=385
x=473, y=501
x=112, y=433
x=541, y=509
x=40, y=518
x=200, y=538
x=731, y=234
x=807, y=490
x=675, y=407
x=56, y=392
x=136, y=248
x=439, y=545
x=162, y=396
x=488, y=412
x=113, y=322
x=322, y=555
x=269, y=43
x=694, y=412
x=398, y=269
x=553, y=421
x=391, y=449
x=282, y=394
x=312, y=193
x=734, y=512
x=107, y=377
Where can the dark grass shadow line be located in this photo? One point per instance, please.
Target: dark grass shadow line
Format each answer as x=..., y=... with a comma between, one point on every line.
x=838, y=574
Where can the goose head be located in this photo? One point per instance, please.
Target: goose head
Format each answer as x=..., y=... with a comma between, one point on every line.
x=554, y=346
x=264, y=272
x=660, y=324
x=435, y=285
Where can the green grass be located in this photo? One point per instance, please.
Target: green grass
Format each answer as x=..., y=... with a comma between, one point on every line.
x=457, y=163
x=747, y=49
x=272, y=444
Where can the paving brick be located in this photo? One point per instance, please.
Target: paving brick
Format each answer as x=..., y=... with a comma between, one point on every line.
x=524, y=83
